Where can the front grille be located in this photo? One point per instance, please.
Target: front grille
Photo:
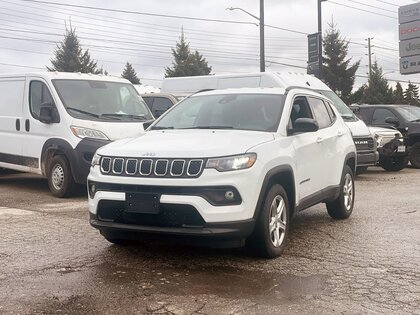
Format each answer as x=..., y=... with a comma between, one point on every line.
x=167, y=168
x=364, y=144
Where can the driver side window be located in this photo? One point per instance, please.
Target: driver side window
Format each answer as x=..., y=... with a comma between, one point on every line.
x=300, y=109
x=38, y=94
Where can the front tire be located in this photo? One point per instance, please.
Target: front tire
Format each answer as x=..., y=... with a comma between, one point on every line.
x=415, y=155
x=342, y=207
x=60, y=178
x=272, y=227
x=393, y=164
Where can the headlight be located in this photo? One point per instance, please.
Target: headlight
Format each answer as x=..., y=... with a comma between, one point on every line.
x=232, y=163
x=96, y=159
x=82, y=132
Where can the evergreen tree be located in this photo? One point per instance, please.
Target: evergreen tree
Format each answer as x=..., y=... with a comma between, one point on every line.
x=357, y=96
x=377, y=90
x=130, y=74
x=411, y=94
x=186, y=63
x=69, y=56
x=338, y=73
x=399, y=94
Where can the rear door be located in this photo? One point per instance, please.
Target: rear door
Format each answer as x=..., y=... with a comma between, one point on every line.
x=12, y=91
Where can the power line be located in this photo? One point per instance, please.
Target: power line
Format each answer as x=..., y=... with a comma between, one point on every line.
x=21, y=66
x=347, y=6
x=371, y=6
x=162, y=15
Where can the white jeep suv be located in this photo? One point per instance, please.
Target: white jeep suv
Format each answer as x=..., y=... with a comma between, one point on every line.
x=226, y=166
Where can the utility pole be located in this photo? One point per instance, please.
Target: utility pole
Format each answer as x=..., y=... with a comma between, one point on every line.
x=320, y=38
x=262, y=44
x=370, y=57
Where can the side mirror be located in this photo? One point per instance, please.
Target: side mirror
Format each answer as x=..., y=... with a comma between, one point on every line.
x=46, y=114
x=392, y=121
x=305, y=125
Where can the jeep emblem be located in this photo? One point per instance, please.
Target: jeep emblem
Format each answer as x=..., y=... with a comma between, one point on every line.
x=149, y=154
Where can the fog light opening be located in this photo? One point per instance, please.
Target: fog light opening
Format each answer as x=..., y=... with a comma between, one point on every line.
x=92, y=190
x=229, y=195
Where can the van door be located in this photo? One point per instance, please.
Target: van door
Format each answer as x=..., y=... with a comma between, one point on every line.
x=36, y=132
x=12, y=91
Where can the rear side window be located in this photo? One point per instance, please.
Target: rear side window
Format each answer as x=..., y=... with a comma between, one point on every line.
x=38, y=94
x=330, y=111
x=320, y=112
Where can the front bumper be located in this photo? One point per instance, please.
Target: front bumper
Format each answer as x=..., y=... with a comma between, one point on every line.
x=367, y=158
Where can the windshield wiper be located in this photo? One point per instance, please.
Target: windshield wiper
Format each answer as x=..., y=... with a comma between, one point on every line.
x=161, y=128
x=83, y=112
x=210, y=127
x=138, y=117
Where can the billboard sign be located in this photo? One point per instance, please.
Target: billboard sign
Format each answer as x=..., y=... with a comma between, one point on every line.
x=313, y=47
x=409, y=36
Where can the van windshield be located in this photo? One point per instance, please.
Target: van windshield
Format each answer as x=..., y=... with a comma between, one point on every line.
x=259, y=112
x=100, y=100
x=342, y=108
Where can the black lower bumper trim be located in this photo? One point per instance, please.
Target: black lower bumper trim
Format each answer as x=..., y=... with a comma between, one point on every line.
x=367, y=158
x=240, y=229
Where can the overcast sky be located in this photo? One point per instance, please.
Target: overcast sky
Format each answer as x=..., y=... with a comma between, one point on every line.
x=29, y=31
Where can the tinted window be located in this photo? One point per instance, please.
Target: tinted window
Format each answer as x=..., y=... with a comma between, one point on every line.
x=259, y=112
x=39, y=94
x=148, y=100
x=379, y=116
x=320, y=111
x=300, y=109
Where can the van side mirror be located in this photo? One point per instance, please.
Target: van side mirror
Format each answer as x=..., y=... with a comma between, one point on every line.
x=305, y=125
x=392, y=121
x=46, y=113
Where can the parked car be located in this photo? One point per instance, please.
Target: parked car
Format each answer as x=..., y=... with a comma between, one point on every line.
x=393, y=154
x=159, y=103
x=366, y=145
x=52, y=123
x=404, y=118
x=226, y=167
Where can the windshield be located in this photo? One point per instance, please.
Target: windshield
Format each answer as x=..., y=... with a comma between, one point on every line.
x=260, y=112
x=100, y=100
x=410, y=113
x=342, y=108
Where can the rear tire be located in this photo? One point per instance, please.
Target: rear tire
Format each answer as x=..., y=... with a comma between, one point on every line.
x=342, y=207
x=272, y=227
x=60, y=178
x=415, y=155
x=393, y=164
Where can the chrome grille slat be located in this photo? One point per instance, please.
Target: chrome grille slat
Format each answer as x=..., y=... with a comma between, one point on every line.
x=152, y=167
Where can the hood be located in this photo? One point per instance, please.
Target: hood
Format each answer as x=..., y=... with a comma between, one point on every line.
x=358, y=128
x=187, y=143
x=113, y=130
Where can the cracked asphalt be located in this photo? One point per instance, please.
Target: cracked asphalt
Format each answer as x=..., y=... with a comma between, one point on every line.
x=53, y=262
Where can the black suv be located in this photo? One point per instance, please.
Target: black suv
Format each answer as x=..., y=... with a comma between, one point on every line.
x=405, y=118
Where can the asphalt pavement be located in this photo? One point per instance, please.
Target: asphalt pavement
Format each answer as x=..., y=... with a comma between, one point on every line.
x=53, y=262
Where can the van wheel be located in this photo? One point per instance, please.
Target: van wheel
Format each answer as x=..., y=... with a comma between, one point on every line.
x=415, y=155
x=342, y=207
x=272, y=227
x=60, y=179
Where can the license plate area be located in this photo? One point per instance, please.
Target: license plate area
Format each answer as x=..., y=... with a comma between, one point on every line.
x=401, y=148
x=145, y=203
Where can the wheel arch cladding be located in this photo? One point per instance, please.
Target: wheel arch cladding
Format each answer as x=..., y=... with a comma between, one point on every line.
x=413, y=139
x=351, y=161
x=284, y=176
x=56, y=146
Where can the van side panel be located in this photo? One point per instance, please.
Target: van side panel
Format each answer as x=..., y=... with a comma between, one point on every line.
x=12, y=125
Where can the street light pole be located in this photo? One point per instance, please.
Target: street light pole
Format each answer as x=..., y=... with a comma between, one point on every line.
x=262, y=43
x=261, y=24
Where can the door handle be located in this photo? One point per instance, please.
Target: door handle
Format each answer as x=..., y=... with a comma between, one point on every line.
x=27, y=125
x=18, y=124
x=319, y=140
x=340, y=133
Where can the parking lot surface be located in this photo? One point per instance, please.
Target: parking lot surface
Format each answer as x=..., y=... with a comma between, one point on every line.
x=53, y=262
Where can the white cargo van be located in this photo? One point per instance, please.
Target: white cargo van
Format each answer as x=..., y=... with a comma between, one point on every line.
x=52, y=123
x=365, y=144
